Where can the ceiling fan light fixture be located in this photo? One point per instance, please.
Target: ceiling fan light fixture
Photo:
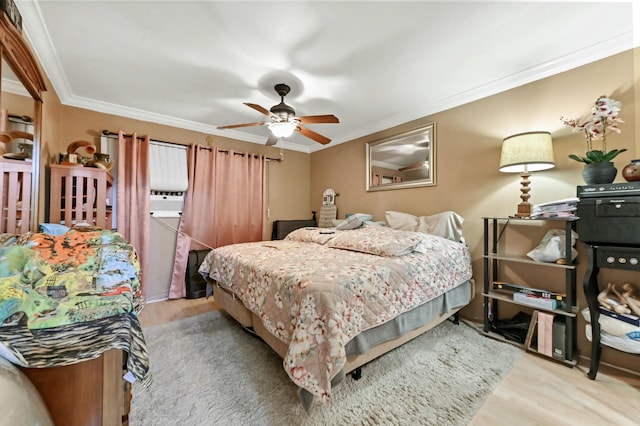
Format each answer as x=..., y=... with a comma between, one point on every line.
x=282, y=129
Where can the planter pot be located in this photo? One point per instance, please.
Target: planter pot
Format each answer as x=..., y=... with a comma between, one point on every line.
x=596, y=173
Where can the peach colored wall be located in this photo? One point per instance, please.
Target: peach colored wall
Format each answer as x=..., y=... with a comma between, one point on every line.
x=18, y=105
x=469, y=139
x=288, y=188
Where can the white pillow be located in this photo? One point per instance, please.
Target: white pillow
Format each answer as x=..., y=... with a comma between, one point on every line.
x=372, y=223
x=401, y=221
x=21, y=404
x=446, y=224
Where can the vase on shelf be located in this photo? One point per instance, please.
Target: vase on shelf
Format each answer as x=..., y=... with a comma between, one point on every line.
x=631, y=171
x=597, y=173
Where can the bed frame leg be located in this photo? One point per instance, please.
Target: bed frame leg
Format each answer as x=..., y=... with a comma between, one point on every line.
x=455, y=318
x=357, y=373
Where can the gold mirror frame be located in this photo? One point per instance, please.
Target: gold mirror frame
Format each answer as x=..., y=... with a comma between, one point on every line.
x=17, y=54
x=405, y=160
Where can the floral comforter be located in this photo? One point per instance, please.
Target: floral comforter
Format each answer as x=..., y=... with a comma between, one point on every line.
x=316, y=290
x=70, y=297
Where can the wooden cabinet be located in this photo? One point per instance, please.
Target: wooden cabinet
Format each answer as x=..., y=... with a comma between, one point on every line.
x=88, y=393
x=79, y=195
x=564, y=272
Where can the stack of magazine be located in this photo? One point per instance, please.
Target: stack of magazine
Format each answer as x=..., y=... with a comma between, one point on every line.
x=561, y=208
x=537, y=298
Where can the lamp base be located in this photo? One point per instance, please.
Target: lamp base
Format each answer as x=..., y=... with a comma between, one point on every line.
x=524, y=210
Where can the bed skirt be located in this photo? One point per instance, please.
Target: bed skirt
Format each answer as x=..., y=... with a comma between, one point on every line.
x=370, y=343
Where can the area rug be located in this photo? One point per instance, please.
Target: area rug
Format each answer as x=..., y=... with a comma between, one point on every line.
x=207, y=371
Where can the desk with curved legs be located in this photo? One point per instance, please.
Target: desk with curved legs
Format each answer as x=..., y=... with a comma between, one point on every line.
x=604, y=256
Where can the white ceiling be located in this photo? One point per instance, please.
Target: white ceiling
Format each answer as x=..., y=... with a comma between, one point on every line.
x=374, y=64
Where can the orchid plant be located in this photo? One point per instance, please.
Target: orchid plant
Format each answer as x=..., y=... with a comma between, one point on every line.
x=602, y=121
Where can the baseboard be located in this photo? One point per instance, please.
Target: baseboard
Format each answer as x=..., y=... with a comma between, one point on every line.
x=157, y=298
x=587, y=362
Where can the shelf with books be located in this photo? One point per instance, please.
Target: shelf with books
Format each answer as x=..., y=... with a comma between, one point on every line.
x=556, y=299
x=515, y=288
x=573, y=312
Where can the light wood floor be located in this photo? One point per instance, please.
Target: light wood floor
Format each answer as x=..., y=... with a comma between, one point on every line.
x=535, y=392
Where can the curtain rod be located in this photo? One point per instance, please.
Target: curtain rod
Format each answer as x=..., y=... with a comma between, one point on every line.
x=110, y=133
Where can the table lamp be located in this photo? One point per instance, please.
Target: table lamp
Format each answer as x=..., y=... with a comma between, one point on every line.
x=524, y=153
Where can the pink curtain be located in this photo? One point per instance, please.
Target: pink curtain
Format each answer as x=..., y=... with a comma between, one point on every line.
x=132, y=196
x=224, y=204
x=238, y=212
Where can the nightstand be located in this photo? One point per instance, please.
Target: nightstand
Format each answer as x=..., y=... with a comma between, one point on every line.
x=565, y=271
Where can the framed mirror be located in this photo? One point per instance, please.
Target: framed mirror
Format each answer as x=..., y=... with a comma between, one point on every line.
x=21, y=90
x=406, y=160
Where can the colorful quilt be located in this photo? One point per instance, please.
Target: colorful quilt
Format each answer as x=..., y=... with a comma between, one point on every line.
x=316, y=290
x=56, y=291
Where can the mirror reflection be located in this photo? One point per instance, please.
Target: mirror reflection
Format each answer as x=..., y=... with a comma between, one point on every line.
x=405, y=160
x=17, y=111
x=16, y=120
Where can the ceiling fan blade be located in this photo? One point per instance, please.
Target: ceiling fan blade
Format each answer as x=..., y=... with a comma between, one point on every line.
x=413, y=166
x=233, y=126
x=311, y=119
x=313, y=135
x=259, y=108
x=272, y=139
x=17, y=134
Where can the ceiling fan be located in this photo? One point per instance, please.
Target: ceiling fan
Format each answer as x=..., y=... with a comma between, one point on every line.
x=284, y=120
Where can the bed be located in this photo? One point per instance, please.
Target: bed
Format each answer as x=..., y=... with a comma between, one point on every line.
x=329, y=300
x=70, y=297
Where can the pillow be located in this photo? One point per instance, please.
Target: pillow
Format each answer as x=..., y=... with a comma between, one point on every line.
x=53, y=228
x=353, y=221
x=446, y=225
x=21, y=404
x=401, y=221
x=377, y=240
x=310, y=235
x=372, y=223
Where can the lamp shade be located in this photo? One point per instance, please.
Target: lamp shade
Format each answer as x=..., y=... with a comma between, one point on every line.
x=282, y=129
x=527, y=152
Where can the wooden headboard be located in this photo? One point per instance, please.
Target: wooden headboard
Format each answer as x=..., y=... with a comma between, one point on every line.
x=283, y=227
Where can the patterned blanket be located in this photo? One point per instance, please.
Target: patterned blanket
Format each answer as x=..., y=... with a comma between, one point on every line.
x=69, y=298
x=316, y=290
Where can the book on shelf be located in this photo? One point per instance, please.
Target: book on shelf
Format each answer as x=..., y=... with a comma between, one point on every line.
x=559, y=337
x=505, y=286
x=535, y=301
x=628, y=318
x=531, y=340
x=545, y=333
